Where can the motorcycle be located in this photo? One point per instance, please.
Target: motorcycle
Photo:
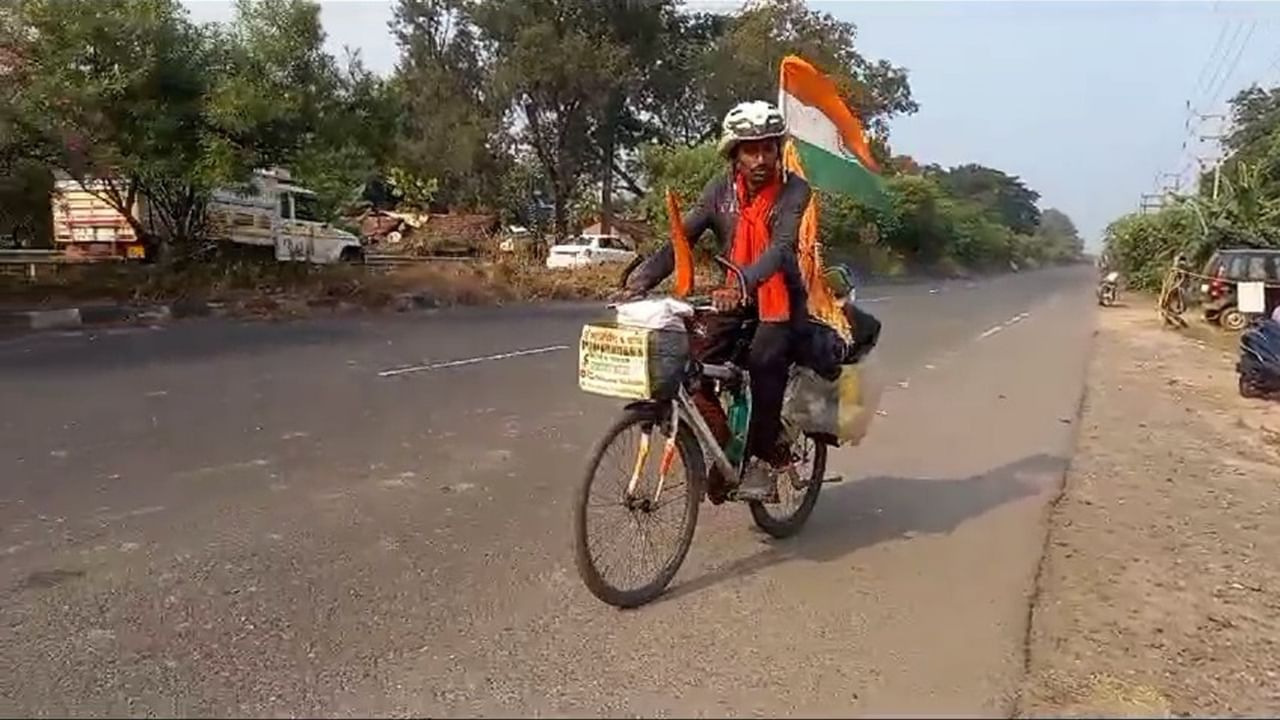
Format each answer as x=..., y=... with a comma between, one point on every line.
x=1259, y=364
x=1108, y=288
x=647, y=362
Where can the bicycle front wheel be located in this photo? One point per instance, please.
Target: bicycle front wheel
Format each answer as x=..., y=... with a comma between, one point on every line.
x=632, y=530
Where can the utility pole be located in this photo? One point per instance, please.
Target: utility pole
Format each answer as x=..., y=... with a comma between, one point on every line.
x=1217, y=161
x=1150, y=201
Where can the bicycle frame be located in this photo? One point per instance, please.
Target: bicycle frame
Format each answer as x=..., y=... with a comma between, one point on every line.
x=682, y=410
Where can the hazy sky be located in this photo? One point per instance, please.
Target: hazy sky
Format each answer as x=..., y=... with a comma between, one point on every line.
x=1086, y=101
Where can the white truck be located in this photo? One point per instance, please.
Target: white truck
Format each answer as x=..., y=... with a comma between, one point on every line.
x=275, y=214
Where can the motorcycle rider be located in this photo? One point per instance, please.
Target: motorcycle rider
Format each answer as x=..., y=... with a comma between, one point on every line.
x=754, y=209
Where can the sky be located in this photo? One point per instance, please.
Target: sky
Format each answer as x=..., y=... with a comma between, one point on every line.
x=1086, y=101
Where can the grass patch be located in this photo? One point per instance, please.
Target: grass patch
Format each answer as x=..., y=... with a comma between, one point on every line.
x=491, y=282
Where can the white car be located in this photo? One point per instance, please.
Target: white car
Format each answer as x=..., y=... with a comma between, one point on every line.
x=590, y=250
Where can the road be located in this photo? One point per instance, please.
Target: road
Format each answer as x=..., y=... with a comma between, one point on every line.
x=223, y=518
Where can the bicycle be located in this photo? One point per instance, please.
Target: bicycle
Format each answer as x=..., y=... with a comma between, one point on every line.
x=666, y=417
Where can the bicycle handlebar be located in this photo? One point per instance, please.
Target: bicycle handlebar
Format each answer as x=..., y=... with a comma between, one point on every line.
x=737, y=274
x=720, y=260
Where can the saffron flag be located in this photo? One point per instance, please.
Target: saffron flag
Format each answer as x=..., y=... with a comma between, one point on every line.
x=828, y=148
x=680, y=247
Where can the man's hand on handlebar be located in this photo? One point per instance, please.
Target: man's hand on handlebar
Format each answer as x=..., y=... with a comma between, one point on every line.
x=726, y=299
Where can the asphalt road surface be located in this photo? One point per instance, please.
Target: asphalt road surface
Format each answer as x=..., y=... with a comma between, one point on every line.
x=371, y=515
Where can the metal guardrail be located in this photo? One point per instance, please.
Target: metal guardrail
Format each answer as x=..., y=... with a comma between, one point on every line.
x=23, y=256
x=28, y=255
x=28, y=262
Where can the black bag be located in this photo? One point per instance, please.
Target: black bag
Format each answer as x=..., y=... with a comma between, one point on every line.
x=866, y=332
x=822, y=350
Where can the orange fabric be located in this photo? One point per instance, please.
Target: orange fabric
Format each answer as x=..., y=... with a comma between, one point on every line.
x=807, y=84
x=750, y=241
x=822, y=304
x=680, y=247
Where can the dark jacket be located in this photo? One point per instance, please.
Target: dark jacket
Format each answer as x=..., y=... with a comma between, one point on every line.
x=717, y=210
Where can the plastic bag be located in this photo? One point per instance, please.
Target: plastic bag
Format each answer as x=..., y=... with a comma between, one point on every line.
x=843, y=408
x=657, y=314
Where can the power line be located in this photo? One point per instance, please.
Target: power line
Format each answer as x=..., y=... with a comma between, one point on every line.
x=1253, y=25
x=1221, y=63
x=1217, y=46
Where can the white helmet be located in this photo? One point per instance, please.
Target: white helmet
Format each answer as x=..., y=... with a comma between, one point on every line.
x=755, y=120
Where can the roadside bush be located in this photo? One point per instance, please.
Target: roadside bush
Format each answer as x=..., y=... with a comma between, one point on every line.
x=1142, y=247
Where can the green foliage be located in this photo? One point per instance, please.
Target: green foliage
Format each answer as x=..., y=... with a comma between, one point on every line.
x=1006, y=198
x=134, y=94
x=686, y=170
x=1058, y=238
x=449, y=118
x=1142, y=247
x=558, y=72
x=415, y=192
x=510, y=105
x=25, y=212
x=744, y=63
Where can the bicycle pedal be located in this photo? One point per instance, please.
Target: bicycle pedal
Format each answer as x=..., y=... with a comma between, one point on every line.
x=772, y=499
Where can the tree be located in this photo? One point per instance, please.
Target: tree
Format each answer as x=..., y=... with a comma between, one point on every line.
x=353, y=139
x=1058, y=236
x=1142, y=247
x=1254, y=139
x=451, y=118
x=685, y=170
x=25, y=211
x=117, y=103
x=677, y=101
x=743, y=65
x=1005, y=196
x=559, y=72
x=636, y=32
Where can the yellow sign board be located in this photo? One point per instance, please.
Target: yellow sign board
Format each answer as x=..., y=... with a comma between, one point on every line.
x=614, y=361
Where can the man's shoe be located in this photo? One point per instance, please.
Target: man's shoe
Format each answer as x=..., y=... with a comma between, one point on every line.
x=759, y=484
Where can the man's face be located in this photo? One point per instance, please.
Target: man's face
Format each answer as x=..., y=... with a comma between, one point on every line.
x=757, y=160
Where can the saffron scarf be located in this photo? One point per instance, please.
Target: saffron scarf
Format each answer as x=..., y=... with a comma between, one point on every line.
x=751, y=239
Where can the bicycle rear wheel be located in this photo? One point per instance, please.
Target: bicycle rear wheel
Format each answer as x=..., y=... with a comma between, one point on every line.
x=650, y=517
x=785, y=517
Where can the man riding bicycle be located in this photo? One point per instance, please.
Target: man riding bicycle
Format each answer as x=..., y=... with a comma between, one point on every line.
x=754, y=209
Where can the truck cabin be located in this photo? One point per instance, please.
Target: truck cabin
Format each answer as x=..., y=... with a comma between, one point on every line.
x=298, y=204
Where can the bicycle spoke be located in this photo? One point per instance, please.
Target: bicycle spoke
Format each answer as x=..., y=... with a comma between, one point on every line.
x=639, y=541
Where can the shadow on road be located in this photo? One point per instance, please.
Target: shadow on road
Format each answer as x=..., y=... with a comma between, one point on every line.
x=878, y=509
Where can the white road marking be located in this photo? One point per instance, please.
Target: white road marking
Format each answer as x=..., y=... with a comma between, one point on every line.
x=871, y=300
x=1007, y=323
x=472, y=361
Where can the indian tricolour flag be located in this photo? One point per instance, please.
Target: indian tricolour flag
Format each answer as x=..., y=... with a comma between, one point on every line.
x=830, y=144
x=828, y=148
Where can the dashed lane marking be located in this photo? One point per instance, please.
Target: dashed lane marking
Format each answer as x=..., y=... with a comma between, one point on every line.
x=471, y=361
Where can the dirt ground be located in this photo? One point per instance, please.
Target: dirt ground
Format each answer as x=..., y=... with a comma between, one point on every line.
x=1160, y=589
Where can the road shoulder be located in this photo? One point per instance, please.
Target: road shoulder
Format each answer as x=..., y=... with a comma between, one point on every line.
x=1159, y=587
